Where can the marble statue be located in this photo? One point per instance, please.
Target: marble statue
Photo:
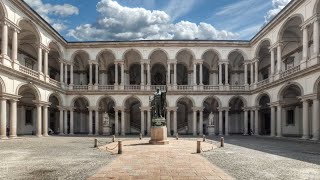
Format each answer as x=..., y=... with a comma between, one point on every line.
x=106, y=120
x=211, y=116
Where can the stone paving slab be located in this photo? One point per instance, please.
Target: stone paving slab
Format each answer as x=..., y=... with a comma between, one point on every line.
x=177, y=160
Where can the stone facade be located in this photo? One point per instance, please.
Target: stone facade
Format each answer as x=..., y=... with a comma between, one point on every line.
x=268, y=85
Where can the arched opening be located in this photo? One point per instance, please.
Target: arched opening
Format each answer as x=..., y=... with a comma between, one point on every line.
x=135, y=74
x=184, y=116
x=133, y=114
x=28, y=40
x=81, y=68
x=158, y=74
x=132, y=61
x=291, y=38
x=54, y=61
x=291, y=111
x=184, y=64
x=54, y=114
x=106, y=107
x=236, y=116
x=106, y=61
x=27, y=111
x=236, y=69
x=81, y=116
x=210, y=106
x=264, y=56
x=211, y=68
x=264, y=115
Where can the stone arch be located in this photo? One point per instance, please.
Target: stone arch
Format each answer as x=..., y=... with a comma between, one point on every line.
x=58, y=48
x=3, y=9
x=187, y=50
x=186, y=97
x=213, y=97
x=239, y=51
x=259, y=45
x=33, y=25
x=316, y=8
x=245, y=103
x=158, y=49
x=106, y=96
x=130, y=97
x=316, y=85
x=2, y=86
x=134, y=50
x=213, y=50
x=259, y=96
x=288, y=85
x=32, y=87
x=58, y=96
x=103, y=51
x=78, y=97
x=283, y=27
x=78, y=52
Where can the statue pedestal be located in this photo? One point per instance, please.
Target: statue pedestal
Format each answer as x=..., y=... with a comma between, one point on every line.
x=106, y=131
x=211, y=130
x=159, y=135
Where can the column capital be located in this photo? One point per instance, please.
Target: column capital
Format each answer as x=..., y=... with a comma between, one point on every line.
x=93, y=108
x=277, y=103
x=223, y=108
x=172, y=61
x=7, y=96
x=145, y=108
x=246, y=109
x=119, y=108
x=308, y=97
x=145, y=61
x=198, y=61
x=197, y=108
x=172, y=108
x=41, y=103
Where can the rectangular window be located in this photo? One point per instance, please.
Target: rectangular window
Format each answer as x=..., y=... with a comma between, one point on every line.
x=29, y=117
x=290, y=117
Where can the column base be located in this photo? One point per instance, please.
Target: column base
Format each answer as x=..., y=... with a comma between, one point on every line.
x=303, y=64
x=90, y=134
x=39, y=135
x=70, y=86
x=314, y=139
x=305, y=137
x=3, y=137
x=123, y=134
x=46, y=135
x=279, y=136
x=61, y=134
x=16, y=65
x=13, y=136
x=6, y=60
x=71, y=134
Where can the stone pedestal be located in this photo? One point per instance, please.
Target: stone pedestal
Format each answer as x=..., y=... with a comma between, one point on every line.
x=106, y=131
x=211, y=130
x=159, y=135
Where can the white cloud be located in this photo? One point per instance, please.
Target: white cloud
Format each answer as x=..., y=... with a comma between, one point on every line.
x=47, y=10
x=278, y=5
x=176, y=8
x=117, y=22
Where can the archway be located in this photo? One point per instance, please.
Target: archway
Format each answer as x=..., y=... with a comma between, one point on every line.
x=182, y=74
x=81, y=68
x=133, y=114
x=106, y=61
x=185, y=59
x=54, y=114
x=236, y=116
x=53, y=61
x=81, y=116
x=132, y=60
x=264, y=55
x=184, y=116
x=211, y=105
x=158, y=74
x=211, y=67
x=134, y=74
x=106, y=106
x=264, y=115
x=236, y=68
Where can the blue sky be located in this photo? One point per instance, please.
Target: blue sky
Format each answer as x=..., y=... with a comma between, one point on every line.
x=90, y=20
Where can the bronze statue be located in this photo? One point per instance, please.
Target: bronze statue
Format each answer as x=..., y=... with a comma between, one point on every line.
x=158, y=104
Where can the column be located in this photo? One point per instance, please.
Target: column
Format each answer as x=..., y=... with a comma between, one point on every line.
x=245, y=122
x=256, y=124
x=256, y=71
x=116, y=75
x=273, y=121
x=227, y=122
x=45, y=64
x=66, y=74
x=252, y=119
x=90, y=122
x=149, y=121
x=272, y=61
x=305, y=44
x=39, y=120
x=142, y=74
x=168, y=122
x=97, y=75
x=61, y=72
x=65, y=128
x=142, y=122
x=305, y=120
x=123, y=133
x=71, y=74
x=195, y=74
x=245, y=74
x=315, y=119
x=71, y=122
x=220, y=123
x=90, y=75
x=201, y=123
x=14, y=55
x=226, y=65
x=279, y=120
x=175, y=74
x=168, y=74
x=122, y=73
x=13, y=118
x=39, y=59
x=3, y=119
x=4, y=45
x=96, y=123
x=220, y=74
x=45, y=120
x=116, y=122
x=175, y=128
x=279, y=58
x=316, y=37
x=201, y=74
x=149, y=74
x=194, y=124
x=61, y=121
x=251, y=74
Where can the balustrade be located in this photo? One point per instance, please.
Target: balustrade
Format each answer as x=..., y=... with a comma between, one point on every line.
x=289, y=72
x=29, y=72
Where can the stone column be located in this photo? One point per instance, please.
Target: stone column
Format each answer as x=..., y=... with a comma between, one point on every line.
x=220, y=74
x=168, y=122
x=252, y=119
x=245, y=74
x=123, y=133
x=272, y=61
x=305, y=44
x=149, y=121
x=194, y=124
x=90, y=122
x=97, y=75
x=61, y=121
x=39, y=120
x=96, y=125
x=273, y=121
x=168, y=74
x=14, y=55
x=116, y=83
x=305, y=120
x=175, y=74
x=66, y=74
x=315, y=119
x=45, y=120
x=227, y=122
x=201, y=123
x=251, y=74
x=116, y=122
x=279, y=58
x=71, y=122
x=175, y=128
x=142, y=74
x=65, y=128
x=149, y=74
x=39, y=59
x=142, y=122
x=45, y=64
x=256, y=124
x=61, y=72
x=13, y=118
x=71, y=74
x=4, y=45
x=227, y=73
x=90, y=74
x=279, y=120
x=245, y=122
x=195, y=74
x=316, y=37
x=220, y=123
x=3, y=119
x=257, y=71
x=122, y=74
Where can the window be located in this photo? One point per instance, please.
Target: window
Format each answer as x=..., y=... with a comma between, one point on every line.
x=290, y=117
x=28, y=117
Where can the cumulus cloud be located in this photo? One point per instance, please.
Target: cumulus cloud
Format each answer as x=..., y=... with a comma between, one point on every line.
x=117, y=22
x=278, y=5
x=47, y=10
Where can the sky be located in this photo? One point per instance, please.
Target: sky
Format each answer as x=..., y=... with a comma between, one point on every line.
x=125, y=20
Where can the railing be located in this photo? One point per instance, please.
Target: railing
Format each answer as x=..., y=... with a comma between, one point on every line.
x=132, y=87
x=263, y=83
x=161, y=87
x=237, y=88
x=289, y=72
x=80, y=87
x=106, y=87
x=210, y=88
x=29, y=72
x=54, y=82
x=184, y=88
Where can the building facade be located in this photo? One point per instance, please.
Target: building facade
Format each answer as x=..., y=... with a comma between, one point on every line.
x=268, y=85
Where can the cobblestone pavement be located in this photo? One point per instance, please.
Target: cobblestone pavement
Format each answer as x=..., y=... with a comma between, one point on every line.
x=51, y=158
x=265, y=158
x=177, y=160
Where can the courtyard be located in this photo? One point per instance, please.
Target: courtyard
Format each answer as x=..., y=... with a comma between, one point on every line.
x=243, y=157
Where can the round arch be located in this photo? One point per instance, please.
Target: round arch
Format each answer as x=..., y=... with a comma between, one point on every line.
x=58, y=48
x=78, y=52
x=131, y=97
x=187, y=50
x=158, y=49
x=283, y=27
x=288, y=85
x=33, y=25
x=260, y=44
x=32, y=87
x=212, y=50
x=316, y=85
x=58, y=96
x=2, y=86
x=185, y=97
x=79, y=97
x=106, y=97
x=212, y=97
x=245, y=103
x=316, y=7
x=104, y=51
x=259, y=96
x=134, y=50
x=3, y=9
x=239, y=51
